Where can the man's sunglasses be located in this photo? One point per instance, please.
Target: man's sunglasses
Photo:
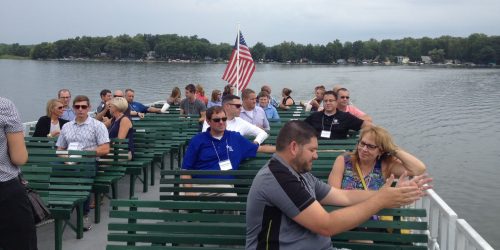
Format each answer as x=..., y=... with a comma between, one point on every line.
x=236, y=105
x=80, y=106
x=224, y=119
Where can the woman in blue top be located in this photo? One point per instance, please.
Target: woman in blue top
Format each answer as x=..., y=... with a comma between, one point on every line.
x=120, y=126
x=216, y=99
x=375, y=159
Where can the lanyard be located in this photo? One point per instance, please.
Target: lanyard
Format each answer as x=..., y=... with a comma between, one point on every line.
x=363, y=178
x=323, y=122
x=227, y=151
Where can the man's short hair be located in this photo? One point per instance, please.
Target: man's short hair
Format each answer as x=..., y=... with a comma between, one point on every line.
x=331, y=92
x=63, y=90
x=191, y=88
x=129, y=90
x=120, y=103
x=246, y=93
x=81, y=98
x=264, y=94
x=298, y=131
x=104, y=92
x=266, y=88
x=228, y=98
x=341, y=89
x=214, y=110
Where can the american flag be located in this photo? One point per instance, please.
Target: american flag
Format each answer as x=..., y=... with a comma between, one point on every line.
x=246, y=67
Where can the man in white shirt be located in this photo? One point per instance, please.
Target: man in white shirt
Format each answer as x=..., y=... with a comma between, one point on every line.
x=232, y=107
x=253, y=113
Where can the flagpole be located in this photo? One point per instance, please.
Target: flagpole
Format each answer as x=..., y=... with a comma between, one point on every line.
x=238, y=61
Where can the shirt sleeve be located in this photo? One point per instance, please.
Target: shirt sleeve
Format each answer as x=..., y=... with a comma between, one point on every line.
x=205, y=126
x=102, y=134
x=322, y=189
x=191, y=155
x=249, y=148
x=266, y=122
x=250, y=129
x=61, y=140
x=10, y=117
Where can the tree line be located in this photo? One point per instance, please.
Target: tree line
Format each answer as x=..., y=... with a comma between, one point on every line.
x=476, y=48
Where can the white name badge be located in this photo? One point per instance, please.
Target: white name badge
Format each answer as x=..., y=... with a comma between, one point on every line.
x=225, y=165
x=325, y=134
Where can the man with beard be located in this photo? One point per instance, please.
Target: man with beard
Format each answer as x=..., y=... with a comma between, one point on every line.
x=284, y=206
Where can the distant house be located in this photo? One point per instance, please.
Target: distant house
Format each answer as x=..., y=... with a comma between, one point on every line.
x=351, y=60
x=426, y=59
x=341, y=61
x=402, y=59
x=151, y=55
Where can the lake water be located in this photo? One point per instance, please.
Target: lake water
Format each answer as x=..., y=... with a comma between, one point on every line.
x=449, y=118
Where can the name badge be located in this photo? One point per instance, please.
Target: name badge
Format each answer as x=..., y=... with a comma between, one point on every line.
x=325, y=134
x=225, y=165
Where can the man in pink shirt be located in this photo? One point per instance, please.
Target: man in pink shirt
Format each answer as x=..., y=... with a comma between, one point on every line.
x=344, y=105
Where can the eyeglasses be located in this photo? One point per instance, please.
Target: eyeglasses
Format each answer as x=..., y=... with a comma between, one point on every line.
x=65, y=97
x=80, y=107
x=345, y=97
x=236, y=105
x=362, y=144
x=60, y=107
x=224, y=119
x=117, y=96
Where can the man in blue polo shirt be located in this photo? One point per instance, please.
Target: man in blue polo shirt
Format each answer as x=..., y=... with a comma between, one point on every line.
x=137, y=108
x=218, y=148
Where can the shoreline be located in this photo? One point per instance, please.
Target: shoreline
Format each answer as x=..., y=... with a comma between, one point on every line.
x=177, y=61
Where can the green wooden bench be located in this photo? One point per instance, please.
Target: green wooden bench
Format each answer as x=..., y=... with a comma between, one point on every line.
x=221, y=225
x=67, y=187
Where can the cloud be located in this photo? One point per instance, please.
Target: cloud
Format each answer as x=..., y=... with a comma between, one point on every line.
x=271, y=22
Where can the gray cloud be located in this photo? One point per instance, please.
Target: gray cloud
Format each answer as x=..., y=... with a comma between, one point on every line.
x=271, y=22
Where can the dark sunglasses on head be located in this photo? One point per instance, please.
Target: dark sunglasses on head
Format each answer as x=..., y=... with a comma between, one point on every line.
x=344, y=97
x=236, y=105
x=117, y=96
x=80, y=106
x=219, y=119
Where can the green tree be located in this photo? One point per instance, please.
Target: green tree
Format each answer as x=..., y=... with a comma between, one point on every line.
x=43, y=51
x=437, y=55
x=259, y=51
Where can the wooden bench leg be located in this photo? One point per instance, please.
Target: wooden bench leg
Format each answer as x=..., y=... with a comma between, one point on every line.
x=79, y=221
x=58, y=231
x=97, y=208
x=145, y=179
x=132, y=186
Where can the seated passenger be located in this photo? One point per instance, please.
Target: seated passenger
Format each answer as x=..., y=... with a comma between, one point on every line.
x=103, y=110
x=218, y=148
x=252, y=113
x=120, y=126
x=192, y=106
x=375, y=159
x=216, y=99
x=272, y=100
x=316, y=104
x=137, y=108
x=332, y=123
x=228, y=90
x=64, y=96
x=200, y=94
x=343, y=104
x=271, y=112
x=232, y=107
x=50, y=125
x=286, y=100
x=175, y=97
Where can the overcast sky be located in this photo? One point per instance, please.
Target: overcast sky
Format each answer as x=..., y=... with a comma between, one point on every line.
x=267, y=21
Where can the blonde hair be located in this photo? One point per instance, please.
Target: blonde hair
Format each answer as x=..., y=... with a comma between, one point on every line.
x=51, y=104
x=200, y=89
x=382, y=139
x=120, y=103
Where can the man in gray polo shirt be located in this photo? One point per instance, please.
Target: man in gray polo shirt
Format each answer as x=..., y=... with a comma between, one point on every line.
x=284, y=205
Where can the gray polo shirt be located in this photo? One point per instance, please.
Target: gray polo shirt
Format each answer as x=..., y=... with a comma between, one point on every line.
x=9, y=123
x=192, y=108
x=277, y=195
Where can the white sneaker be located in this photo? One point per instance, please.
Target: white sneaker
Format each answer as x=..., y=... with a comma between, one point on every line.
x=86, y=223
